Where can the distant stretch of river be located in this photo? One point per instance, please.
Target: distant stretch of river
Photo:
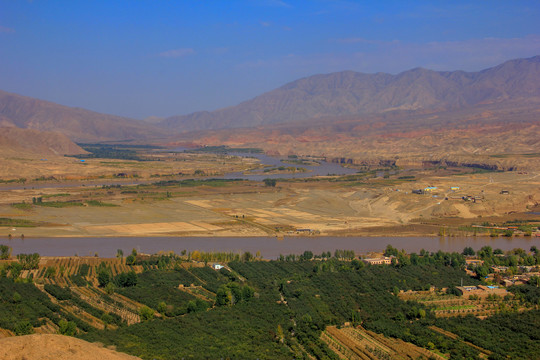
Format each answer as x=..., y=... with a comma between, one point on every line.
x=270, y=247
x=324, y=169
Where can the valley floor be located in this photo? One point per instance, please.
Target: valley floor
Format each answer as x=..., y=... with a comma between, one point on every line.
x=353, y=205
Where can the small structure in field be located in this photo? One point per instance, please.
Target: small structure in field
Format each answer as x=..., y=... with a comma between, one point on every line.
x=482, y=291
x=378, y=261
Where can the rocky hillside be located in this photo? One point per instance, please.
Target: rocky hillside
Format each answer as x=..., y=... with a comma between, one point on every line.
x=491, y=136
x=78, y=124
x=352, y=93
x=15, y=141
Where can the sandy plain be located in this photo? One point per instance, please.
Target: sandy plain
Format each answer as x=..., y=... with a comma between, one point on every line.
x=329, y=206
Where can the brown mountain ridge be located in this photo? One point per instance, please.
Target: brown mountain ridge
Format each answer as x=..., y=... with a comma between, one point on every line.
x=78, y=124
x=350, y=93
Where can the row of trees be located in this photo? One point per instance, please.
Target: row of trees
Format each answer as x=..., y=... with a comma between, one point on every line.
x=5, y=252
x=325, y=255
x=29, y=261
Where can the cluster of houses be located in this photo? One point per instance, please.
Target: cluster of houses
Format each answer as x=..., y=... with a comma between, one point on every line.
x=453, y=189
x=501, y=274
x=428, y=189
x=431, y=189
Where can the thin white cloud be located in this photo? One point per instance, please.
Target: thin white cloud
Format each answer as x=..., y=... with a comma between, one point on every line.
x=4, y=29
x=372, y=56
x=265, y=23
x=177, y=53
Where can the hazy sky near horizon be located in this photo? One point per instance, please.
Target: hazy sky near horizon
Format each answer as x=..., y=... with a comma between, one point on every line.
x=163, y=58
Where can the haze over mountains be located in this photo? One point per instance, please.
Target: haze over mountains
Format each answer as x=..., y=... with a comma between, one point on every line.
x=78, y=124
x=352, y=93
x=421, y=113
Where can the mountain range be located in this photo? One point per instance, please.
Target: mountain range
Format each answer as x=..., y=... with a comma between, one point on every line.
x=423, y=113
x=350, y=93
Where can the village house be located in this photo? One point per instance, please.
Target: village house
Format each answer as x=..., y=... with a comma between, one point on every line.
x=475, y=262
x=378, y=261
x=499, y=269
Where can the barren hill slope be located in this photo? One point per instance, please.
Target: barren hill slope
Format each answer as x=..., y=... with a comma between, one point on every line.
x=352, y=93
x=58, y=347
x=78, y=124
x=15, y=141
x=489, y=136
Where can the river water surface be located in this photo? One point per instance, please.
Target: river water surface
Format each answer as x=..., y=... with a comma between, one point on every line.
x=270, y=247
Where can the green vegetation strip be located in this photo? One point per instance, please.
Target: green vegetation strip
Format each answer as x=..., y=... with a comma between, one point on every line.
x=17, y=222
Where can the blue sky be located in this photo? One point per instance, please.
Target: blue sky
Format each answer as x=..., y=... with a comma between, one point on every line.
x=163, y=58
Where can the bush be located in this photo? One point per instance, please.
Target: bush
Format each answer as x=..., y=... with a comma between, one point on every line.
x=68, y=328
x=24, y=328
x=146, y=313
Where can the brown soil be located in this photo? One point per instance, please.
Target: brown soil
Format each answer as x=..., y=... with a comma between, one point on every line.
x=367, y=207
x=58, y=347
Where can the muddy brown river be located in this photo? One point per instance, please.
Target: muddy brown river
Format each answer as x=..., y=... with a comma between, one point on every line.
x=270, y=247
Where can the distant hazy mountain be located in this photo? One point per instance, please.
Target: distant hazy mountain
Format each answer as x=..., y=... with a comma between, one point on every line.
x=352, y=93
x=77, y=124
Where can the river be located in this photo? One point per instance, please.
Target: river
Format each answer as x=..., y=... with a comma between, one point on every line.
x=270, y=247
x=325, y=168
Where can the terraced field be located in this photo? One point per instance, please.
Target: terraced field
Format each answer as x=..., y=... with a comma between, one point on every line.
x=357, y=343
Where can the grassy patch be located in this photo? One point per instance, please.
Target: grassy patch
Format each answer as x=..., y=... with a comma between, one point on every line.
x=22, y=206
x=10, y=181
x=60, y=204
x=193, y=182
x=54, y=195
x=99, y=203
x=17, y=222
